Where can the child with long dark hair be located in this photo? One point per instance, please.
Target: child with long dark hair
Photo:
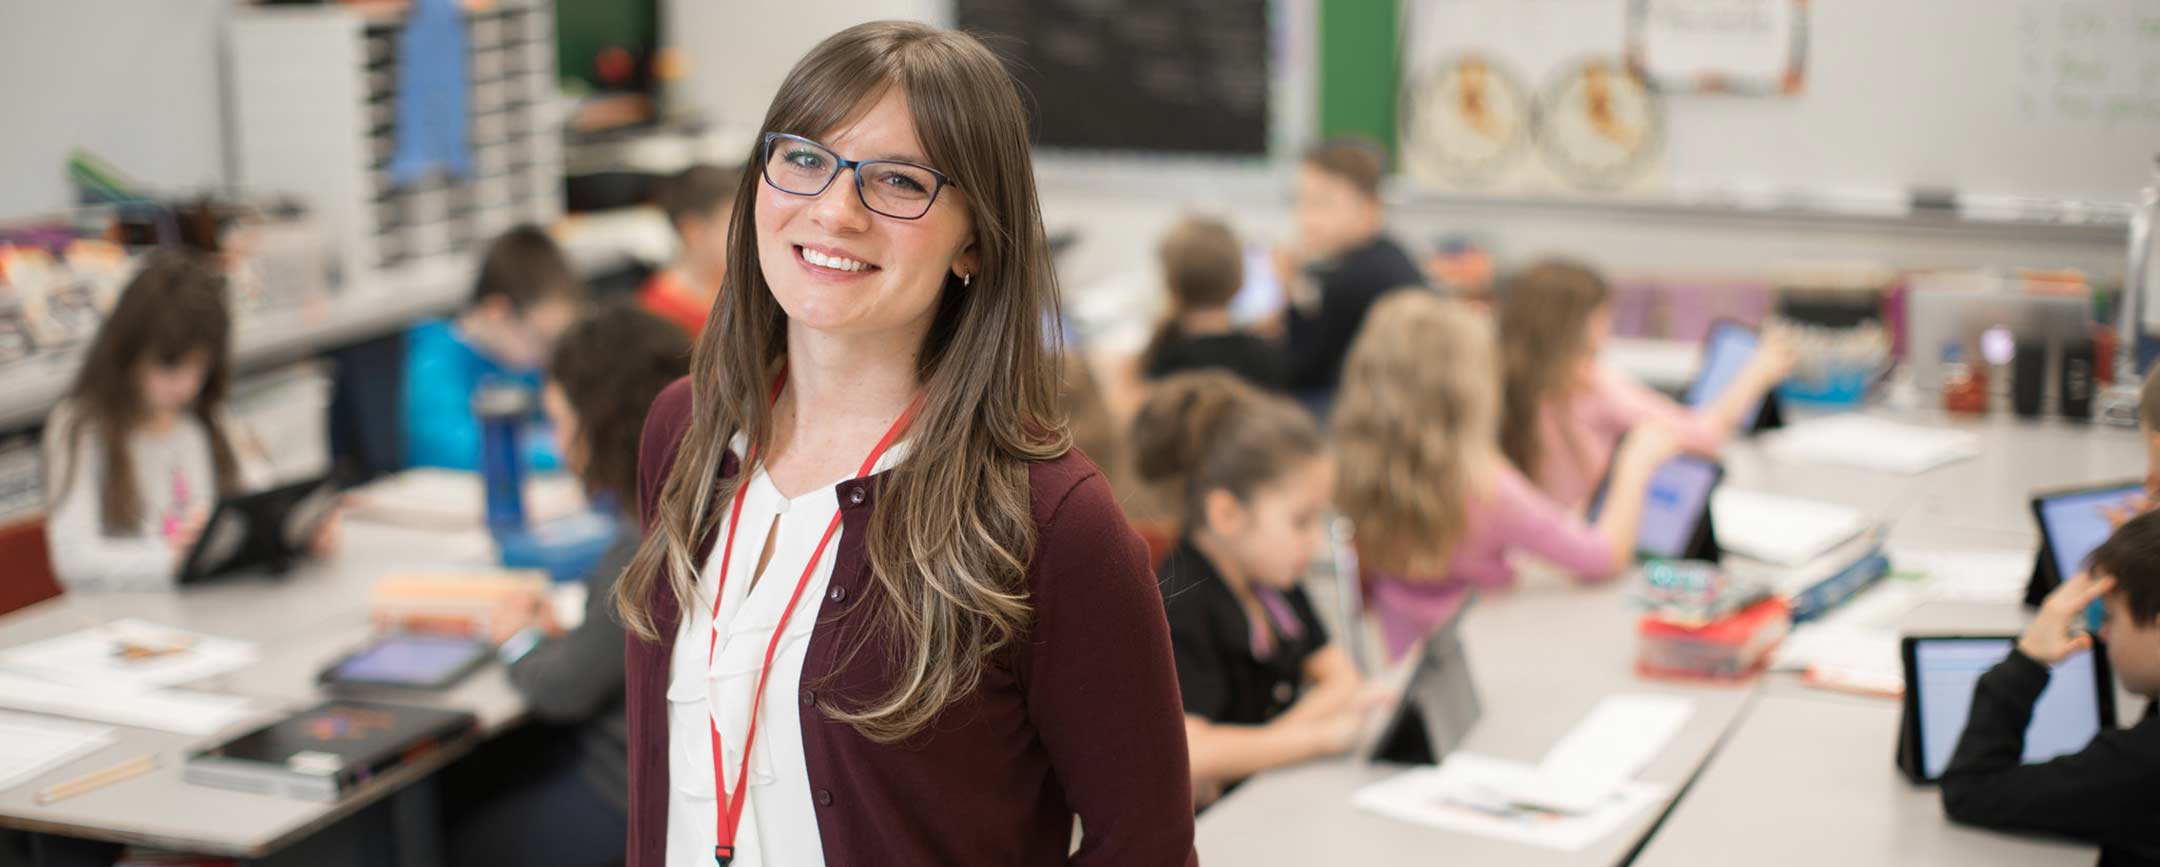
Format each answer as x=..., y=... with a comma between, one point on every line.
x=139, y=451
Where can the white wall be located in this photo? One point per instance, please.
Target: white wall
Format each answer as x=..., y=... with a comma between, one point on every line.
x=739, y=50
x=133, y=81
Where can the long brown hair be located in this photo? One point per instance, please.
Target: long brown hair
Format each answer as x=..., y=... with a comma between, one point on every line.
x=1544, y=314
x=953, y=533
x=1415, y=425
x=610, y=366
x=174, y=307
x=1208, y=431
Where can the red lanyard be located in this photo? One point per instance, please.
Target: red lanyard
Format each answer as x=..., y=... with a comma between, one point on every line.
x=729, y=810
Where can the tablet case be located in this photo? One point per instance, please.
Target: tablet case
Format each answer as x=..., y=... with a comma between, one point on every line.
x=2045, y=576
x=256, y=530
x=1908, y=742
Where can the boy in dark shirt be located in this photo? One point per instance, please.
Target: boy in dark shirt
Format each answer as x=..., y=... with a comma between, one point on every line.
x=1342, y=263
x=1203, y=267
x=2109, y=792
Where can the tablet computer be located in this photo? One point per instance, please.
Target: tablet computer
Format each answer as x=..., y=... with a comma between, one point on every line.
x=410, y=661
x=268, y=529
x=2072, y=523
x=1436, y=701
x=1726, y=351
x=1941, y=673
x=1676, y=509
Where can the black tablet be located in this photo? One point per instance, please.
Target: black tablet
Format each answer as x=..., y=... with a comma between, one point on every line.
x=1676, y=509
x=267, y=529
x=1941, y=672
x=2072, y=523
x=410, y=661
x=1435, y=708
x=1727, y=349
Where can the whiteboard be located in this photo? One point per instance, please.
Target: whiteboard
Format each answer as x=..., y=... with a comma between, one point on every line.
x=2040, y=98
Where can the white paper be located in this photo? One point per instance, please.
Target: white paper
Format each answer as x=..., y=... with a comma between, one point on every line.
x=568, y=602
x=1602, y=752
x=1969, y=574
x=32, y=745
x=92, y=657
x=1869, y=443
x=1461, y=795
x=185, y=712
x=1785, y=531
x=1744, y=42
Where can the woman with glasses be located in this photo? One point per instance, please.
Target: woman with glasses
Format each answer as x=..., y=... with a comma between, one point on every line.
x=883, y=613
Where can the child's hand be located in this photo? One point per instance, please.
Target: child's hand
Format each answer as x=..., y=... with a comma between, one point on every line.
x=2050, y=638
x=1773, y=360
x=1649, y=444
x=2118, y=514
x=325, y=541
x=1336, y=732
x=519, y=610
x=183, y=537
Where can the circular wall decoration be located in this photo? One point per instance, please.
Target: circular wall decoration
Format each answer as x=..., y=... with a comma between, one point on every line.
x=1465, y=119
x=1599, y=125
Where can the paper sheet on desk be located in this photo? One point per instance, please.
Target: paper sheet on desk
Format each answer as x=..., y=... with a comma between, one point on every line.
x=188, y=713
x=1870, y=443
x=129, y=654
x=1463, y=794
x=1969, y=574
x=31, y=745
x=1783, y=531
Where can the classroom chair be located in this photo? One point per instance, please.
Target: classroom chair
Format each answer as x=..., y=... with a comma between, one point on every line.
x=28, y=578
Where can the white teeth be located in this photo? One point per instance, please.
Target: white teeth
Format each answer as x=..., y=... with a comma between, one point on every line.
x=834, y=262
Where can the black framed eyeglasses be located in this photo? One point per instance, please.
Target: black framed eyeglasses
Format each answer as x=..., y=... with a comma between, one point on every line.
x=895, y=188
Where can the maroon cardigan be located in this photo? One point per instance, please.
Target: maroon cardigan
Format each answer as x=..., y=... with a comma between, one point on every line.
x=1082, y=718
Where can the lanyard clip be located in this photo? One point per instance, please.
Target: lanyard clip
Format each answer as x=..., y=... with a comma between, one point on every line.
x=723, y=855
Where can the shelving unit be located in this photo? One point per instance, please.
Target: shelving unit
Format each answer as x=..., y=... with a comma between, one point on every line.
x=295, y=131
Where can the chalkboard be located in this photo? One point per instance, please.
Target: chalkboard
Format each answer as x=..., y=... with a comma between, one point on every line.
x=1165, y=76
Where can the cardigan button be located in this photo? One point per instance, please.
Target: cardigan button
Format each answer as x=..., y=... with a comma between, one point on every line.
x=838, y=593
x=855, y=495
x=824, y=797
x=809, y=697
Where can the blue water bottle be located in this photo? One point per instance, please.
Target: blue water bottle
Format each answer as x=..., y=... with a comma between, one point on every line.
x=502, y=408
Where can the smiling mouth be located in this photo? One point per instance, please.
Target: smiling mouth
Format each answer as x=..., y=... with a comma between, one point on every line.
x=840, y=264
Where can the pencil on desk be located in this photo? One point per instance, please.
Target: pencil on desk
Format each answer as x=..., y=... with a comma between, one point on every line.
x=97, y=780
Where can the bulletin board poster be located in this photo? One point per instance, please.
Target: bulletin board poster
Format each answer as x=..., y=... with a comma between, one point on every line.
x=1740, y=47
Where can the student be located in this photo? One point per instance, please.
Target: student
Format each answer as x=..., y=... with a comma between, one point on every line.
x=568, y=800
x=1342, y=262
x=2149, y=427
x=140, y=450
x=1438, y=510
x=526, y=295
x=1263, y=685
x=1563, y=414
x=1203, y=267
x=2104, y=793
x=699, y=202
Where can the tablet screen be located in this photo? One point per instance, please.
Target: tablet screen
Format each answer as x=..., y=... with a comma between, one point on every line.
x=1728, y=350
x=1673, y=508
x=409, y=660
x=1262, y=294
x=2074, y=524
x=2066, y=717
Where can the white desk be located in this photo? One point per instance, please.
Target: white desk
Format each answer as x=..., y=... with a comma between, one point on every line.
x=1796, y=758
x=1542, y=657
x=1807, y=779
x=300, y=624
